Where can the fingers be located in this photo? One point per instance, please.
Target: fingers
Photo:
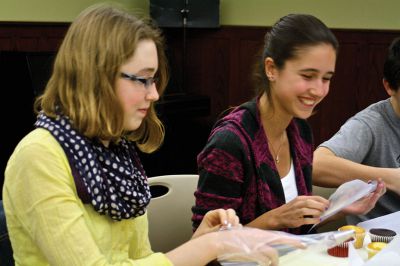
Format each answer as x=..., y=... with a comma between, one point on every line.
x=312, y=202
x=302, y=220
x=303, y=210
x=379, y=191
x=231, y=218
x=311, y=220
x=269, y=256
x=221, y=217
x=289, y=241
x=265, y=256
x=367, y=203
x=380, y=187
x=216, y=220
x=251, y=244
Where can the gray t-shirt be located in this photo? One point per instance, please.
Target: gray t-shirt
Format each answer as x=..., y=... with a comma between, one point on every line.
x=371, y=137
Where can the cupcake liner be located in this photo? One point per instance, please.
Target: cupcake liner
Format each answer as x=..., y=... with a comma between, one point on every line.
x=385, y=239
x=381, y=235
x=341, y=250
x=359, y=234
x=359, y=242
x=375, y=247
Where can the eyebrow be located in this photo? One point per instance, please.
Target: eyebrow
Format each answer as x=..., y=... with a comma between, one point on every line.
x=315, y=70
x=147, y=69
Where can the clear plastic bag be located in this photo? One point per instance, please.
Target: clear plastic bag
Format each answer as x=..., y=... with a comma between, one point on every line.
x=345, y=195
x=250, y=246
x=282, y=243
x=321, y=241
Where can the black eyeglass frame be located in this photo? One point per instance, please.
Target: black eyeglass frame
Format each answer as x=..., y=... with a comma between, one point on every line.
x=147, y=82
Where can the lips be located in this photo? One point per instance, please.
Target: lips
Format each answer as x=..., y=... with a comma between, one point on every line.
x=143, y=110
x=308, y=101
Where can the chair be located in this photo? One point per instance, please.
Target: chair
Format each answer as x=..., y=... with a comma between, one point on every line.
x=169, y=211
x=333, y=225
x=6, y=253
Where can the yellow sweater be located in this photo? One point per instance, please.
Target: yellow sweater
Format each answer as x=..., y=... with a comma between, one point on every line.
x=49, y=225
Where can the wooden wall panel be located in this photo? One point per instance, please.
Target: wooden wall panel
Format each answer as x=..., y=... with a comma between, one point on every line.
x=31, y=37
x=357, y=82
x=218, y=65
x=246, y=60
x=208, y=70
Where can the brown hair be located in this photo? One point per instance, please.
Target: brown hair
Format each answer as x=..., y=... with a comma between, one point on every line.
x=82, y=85
x=289, y=34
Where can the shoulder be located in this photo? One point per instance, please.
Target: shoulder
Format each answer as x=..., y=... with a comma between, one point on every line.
x=37, y=143
x=36, y=156
x=233, y=133
x=373, y=112
x=243, y=120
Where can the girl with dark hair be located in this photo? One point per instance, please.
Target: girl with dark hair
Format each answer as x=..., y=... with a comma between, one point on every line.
x=258, y=158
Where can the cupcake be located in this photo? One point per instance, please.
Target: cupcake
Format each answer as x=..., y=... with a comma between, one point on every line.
x=381, y=235
x=359, y=234
x=341, y=250
x=375, y=247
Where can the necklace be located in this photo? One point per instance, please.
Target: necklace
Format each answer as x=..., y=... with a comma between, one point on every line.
x=276, y=154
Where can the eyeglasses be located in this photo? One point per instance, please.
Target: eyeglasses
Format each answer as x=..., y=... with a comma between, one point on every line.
x=147, y=82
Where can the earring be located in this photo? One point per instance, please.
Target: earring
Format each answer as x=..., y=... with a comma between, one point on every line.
x=271, y=77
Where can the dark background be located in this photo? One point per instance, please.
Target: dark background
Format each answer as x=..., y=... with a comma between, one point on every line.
x=217, y=75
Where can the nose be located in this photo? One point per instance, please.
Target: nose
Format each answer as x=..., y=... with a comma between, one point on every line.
x=320, y=88
x=152, y=93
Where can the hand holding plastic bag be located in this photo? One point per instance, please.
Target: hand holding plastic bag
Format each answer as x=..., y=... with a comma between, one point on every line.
x=346, y=194
x=366, y=203
x=244, y=244
x=351, y=192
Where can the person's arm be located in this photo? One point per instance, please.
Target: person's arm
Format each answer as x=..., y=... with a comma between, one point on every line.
x=239, y=244
x=220, y=175
x=198, y=251
x=330, y=170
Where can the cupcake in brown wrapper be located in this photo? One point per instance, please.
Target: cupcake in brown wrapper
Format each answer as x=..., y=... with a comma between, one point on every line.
x=381, y=235
x=359, y=234
x=341, y=250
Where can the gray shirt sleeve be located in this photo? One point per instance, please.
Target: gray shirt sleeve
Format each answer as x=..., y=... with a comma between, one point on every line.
x=371, y=137
x=353, y=141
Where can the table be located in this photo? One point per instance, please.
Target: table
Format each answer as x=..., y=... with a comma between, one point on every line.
x=309, y=257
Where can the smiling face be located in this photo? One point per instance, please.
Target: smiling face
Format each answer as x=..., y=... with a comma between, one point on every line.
x=303, y=81
x=134, y=96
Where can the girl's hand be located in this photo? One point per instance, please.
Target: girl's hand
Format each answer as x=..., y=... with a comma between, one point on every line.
x=367, y=203
x=302, y=210
x=215, y=219
x=243, y=244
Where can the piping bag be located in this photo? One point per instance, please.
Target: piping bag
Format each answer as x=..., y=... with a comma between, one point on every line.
x=315, y=241
x=321, y=241
x=345, y=195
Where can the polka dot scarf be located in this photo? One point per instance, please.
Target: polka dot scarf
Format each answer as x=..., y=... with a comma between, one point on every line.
x=110, y=178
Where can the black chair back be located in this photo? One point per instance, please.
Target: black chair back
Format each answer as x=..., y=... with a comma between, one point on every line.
x=6, y=253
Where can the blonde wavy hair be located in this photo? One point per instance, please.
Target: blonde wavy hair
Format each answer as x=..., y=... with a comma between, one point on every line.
x=82, y=85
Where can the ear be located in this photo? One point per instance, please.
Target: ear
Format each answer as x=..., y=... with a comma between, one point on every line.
x=387, y=87
x=270, y=68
